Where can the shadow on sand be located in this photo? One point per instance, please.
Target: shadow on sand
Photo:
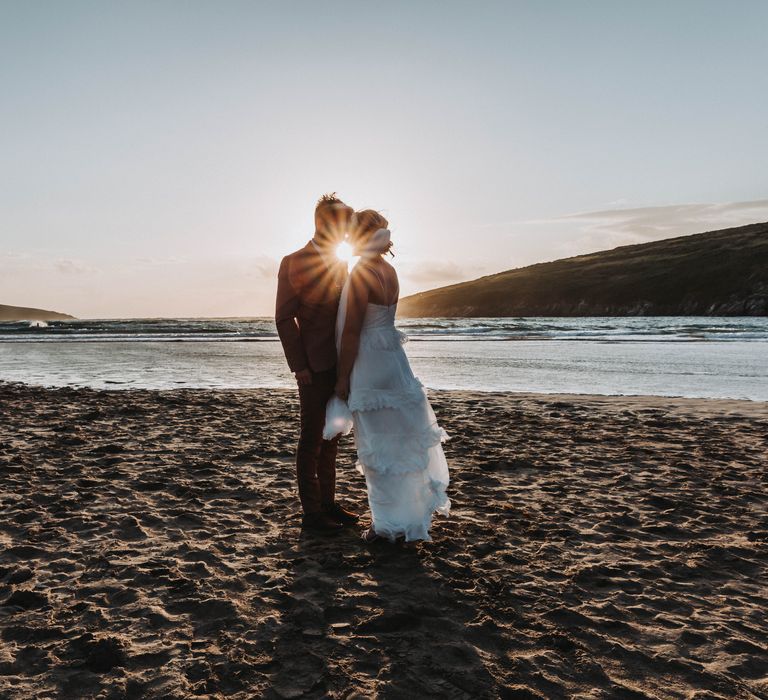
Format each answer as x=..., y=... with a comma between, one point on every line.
x=363, y=621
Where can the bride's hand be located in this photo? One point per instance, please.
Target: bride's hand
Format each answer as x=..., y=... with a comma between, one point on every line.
x=342, y=388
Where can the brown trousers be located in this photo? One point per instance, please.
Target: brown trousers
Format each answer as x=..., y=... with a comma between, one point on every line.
x=315, y=457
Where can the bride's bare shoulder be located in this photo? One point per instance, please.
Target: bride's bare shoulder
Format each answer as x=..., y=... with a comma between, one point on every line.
x=361, y=276
x=372, y=268
x=388, y=269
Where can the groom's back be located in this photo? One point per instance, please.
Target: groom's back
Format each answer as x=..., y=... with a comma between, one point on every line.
x=308, y=291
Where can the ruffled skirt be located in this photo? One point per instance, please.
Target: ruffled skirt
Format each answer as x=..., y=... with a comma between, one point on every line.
x=398, y=439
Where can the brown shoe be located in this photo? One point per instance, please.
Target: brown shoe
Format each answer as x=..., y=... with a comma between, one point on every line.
x=341, y=514
x=320, y=522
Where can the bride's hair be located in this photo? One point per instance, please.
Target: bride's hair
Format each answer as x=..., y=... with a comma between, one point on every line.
x=368, y=222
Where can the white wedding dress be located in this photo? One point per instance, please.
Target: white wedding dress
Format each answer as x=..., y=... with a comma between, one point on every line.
x=396, y=433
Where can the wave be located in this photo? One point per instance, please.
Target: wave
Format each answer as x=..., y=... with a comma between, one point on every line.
x=596, y=329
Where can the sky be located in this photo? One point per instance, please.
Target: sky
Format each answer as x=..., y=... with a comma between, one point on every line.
x=159, y=158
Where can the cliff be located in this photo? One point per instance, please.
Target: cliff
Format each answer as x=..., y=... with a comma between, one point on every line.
x=718, y=273
x=22, y=313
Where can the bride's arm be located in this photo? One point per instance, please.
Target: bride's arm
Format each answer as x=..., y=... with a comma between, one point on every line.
x=357, y=301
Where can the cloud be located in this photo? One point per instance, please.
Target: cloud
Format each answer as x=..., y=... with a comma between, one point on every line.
x=27, y=263
x=259, y=267
x=431, y=271
x=152, y=261
x=427, y=274
x=652, y=221
x=141, y=285
x=609, y=228
x=17, y=264
x=68, y=266
x=265, y=268
x=11, y=256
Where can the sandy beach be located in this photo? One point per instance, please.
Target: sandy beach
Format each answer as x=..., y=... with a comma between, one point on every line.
x=599, y=547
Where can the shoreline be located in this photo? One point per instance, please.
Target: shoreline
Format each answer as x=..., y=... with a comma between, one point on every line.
x=755, y=408
x=712, y=369
x=597, y=547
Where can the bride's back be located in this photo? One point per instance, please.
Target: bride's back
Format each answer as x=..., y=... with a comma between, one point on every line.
x=381, y=281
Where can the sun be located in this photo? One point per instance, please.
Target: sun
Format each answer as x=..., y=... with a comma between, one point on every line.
x=344, y=252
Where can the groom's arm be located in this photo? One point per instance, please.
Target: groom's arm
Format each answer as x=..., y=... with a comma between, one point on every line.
x=286, y=312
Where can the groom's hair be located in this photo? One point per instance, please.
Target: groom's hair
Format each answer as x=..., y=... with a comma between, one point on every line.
x=327, y=199
x=324, y=209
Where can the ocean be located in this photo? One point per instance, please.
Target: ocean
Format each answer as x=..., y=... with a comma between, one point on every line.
x=662, y=356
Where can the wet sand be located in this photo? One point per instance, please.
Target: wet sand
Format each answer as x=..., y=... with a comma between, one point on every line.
x=598, y=548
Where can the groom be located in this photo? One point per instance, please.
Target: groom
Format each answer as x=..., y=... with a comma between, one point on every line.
x=308, y=290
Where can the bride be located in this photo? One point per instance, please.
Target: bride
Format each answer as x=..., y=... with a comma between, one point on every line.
x=397, y=436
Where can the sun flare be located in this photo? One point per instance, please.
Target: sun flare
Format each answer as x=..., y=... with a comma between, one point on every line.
x=344, y=252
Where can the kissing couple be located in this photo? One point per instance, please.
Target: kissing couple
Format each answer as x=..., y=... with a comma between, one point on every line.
x=337, y=328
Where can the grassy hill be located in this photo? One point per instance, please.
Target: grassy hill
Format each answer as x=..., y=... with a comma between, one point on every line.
x=718, y=273
x=22, y=313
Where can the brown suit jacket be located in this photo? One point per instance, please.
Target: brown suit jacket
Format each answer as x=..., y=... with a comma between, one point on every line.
x=308, y=292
